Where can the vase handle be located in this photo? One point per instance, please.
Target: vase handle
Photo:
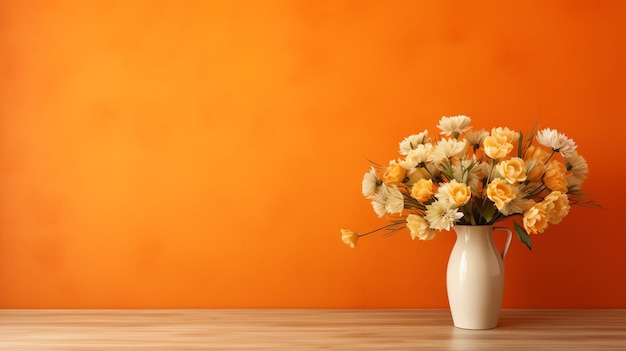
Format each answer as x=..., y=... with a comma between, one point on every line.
x=508, y=239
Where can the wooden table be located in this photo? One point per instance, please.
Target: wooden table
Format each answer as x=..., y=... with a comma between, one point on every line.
x=302, y=329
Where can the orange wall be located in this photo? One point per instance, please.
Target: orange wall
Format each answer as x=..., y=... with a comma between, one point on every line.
x=205, y=153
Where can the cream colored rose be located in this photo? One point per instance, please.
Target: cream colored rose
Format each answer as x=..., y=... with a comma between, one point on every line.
x=349, y=237
x=419, y=227
x=511, y=136
x=497, y=147
x=512, y=170
x=554, y=176
x=454, y=193
x=535, y=219
x=394, y=174
x=535, y=157
x=501, y=192
x=423, y=190
x=557, y=206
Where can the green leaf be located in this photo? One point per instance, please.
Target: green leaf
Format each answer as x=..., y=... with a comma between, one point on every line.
x=521, y=234
x=487, y=211
x=520, y=146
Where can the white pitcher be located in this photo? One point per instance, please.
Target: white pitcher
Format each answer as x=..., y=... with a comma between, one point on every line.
x=475, y=277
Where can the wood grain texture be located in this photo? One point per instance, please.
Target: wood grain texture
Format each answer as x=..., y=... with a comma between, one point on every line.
x=303, y=329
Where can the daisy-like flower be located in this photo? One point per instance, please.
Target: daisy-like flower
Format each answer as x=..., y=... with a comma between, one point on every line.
x=469, y=172
x=395, y=200
x=411, y=142
x=418, y=156
x=379, y=200
x=454, y=125
x=574, y=184
x=448, y=148
x=559, y=142
x=370, y=183
x=577, y=165
x=476, y=138
x=442, y=216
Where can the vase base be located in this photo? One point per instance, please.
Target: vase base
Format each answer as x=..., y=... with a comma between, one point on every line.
x=475, y=328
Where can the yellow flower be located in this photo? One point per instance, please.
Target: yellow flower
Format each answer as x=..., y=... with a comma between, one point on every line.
x=512, y=170
x=454, y=193
x=535, y=157
x=419, y=227
x=554, y=177
x=349, y=237
x=535, y=219
x=394, y=174
x=510, y=135
x=557, y=206
x=497, y=147
x=422, y=190
x=501, y=192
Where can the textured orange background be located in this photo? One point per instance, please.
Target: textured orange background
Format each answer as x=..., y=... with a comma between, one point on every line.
x=205, y=153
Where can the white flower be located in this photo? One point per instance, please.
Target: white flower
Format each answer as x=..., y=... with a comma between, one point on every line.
x=411, y=142
x=379, y=200
x=469, y=171
x=395, y=200
x=519, y=204
x=420, y=155
x=448, y=148
x=370, y=183
x=574, y=184
x=476, y=137
x=578, y=165
x=557, y=141
x=441, y=216
x=454, y=125
x=387, y=200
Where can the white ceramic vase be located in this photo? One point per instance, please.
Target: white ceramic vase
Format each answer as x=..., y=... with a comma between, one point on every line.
x=475, y=277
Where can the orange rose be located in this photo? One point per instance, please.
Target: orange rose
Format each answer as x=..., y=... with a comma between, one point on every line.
x=557, y=206
x=512, y=170
x=535, y=219
x=394, y=174
x=500, y=192
x=422, y=190
x=554, y=177
x=535, y=156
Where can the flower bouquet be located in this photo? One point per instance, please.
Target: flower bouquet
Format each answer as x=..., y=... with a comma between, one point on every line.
x=465, y=177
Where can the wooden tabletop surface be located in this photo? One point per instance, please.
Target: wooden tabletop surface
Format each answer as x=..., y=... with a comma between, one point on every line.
x=306, y=329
